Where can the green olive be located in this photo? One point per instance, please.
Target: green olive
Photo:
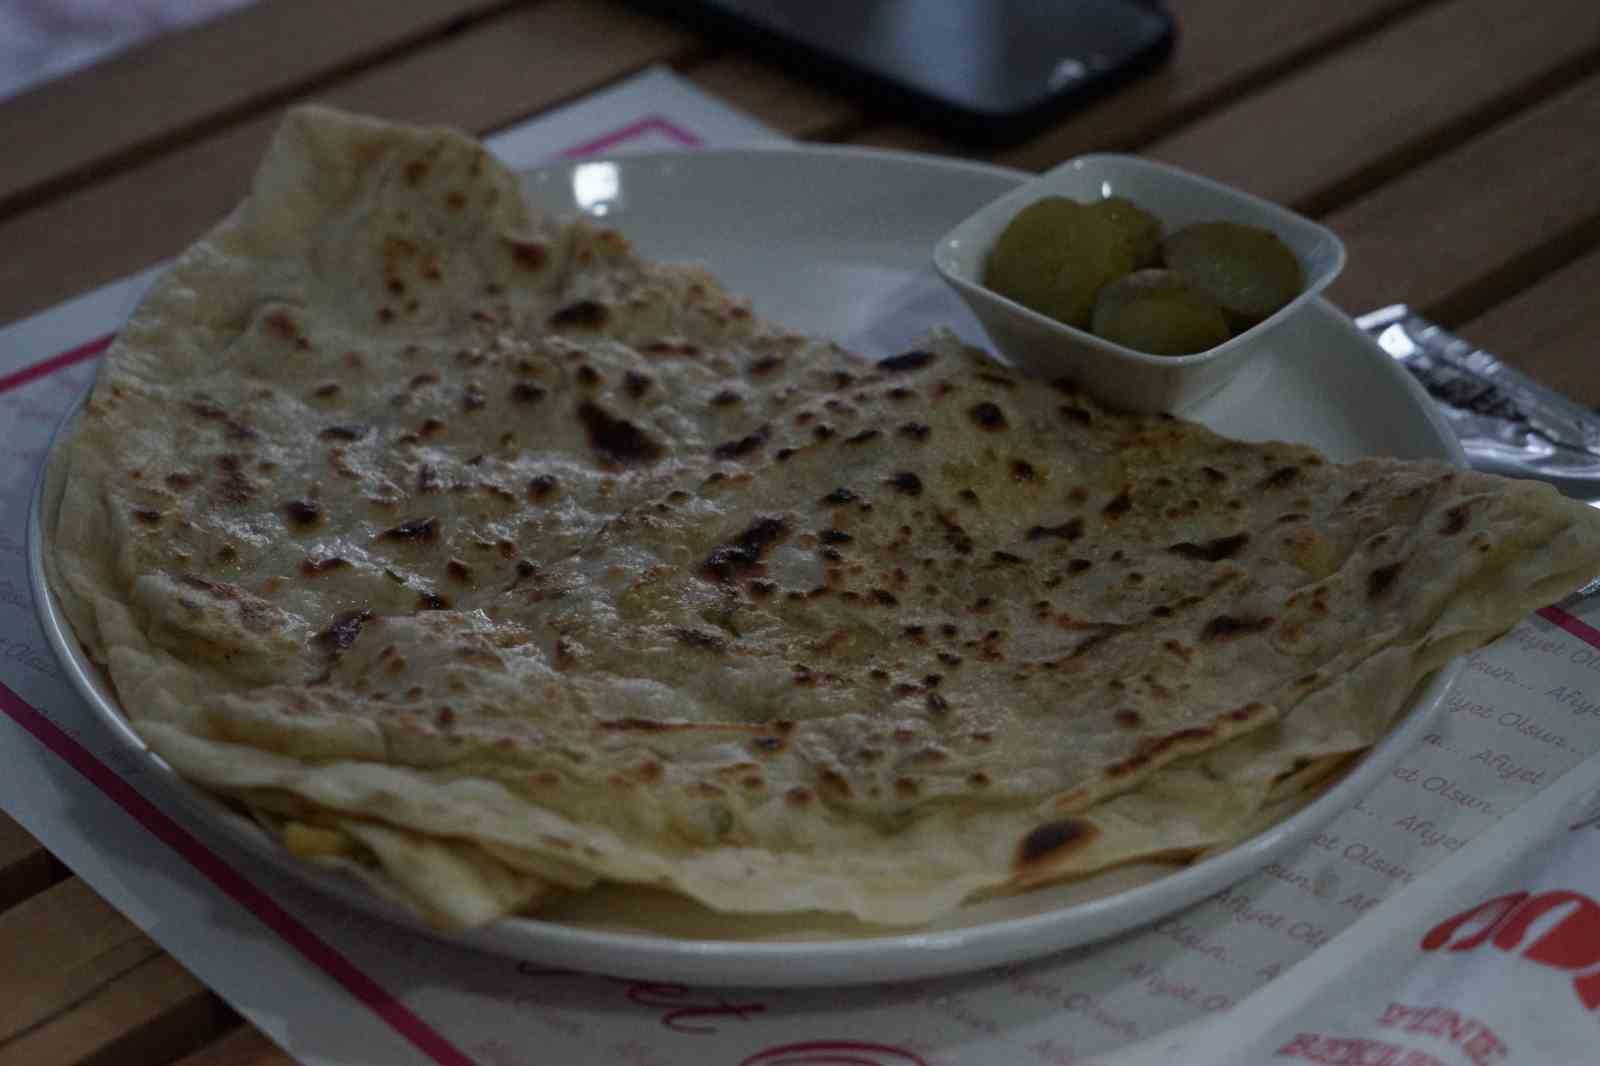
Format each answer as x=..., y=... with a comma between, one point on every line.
x=1247, y=269
x=1139, y=229
x=1054, y=257
x=1159, y=312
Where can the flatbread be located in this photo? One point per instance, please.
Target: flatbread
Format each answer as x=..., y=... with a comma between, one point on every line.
x=475, y=553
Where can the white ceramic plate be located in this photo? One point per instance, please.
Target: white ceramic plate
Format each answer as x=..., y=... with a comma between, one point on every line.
x=837, y=242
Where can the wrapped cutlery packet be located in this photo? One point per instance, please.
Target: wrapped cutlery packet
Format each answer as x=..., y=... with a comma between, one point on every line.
x=1508, y=423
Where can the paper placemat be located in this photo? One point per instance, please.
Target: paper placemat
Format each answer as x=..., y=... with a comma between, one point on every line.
x=334, y=986
x=1493, y=959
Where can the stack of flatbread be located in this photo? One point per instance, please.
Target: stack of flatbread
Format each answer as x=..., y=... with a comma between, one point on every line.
x=473, y=553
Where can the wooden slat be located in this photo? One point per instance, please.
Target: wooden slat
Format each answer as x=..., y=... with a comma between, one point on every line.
x=795, y=108
x=519, y=64
x=1455, y=236
x=1225, y=47
x=150, y=1015
x=244, y=1046
x=1550, y=331
x=905, y=138
x=159, y=93
x=60, y=947
x=1342, y=126
x=25, y=866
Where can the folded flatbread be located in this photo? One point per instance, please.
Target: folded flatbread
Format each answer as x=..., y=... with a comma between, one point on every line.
x=479, y=556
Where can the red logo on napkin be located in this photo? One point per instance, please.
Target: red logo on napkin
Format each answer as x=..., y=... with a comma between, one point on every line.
x=1558, y=929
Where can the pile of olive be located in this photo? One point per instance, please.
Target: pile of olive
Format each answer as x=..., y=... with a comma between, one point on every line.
x=1103, y=266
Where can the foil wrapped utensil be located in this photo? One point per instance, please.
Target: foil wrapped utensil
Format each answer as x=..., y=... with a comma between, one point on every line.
x=1507, y=422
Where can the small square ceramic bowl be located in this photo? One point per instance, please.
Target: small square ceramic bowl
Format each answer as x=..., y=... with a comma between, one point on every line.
x=1119, y=376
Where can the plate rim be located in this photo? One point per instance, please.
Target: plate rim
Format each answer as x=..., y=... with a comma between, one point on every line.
x=806, y=963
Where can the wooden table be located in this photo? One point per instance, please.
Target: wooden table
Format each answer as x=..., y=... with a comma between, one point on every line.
x=1451, y=144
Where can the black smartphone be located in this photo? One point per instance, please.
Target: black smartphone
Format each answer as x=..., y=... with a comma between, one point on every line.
x=989, y=72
